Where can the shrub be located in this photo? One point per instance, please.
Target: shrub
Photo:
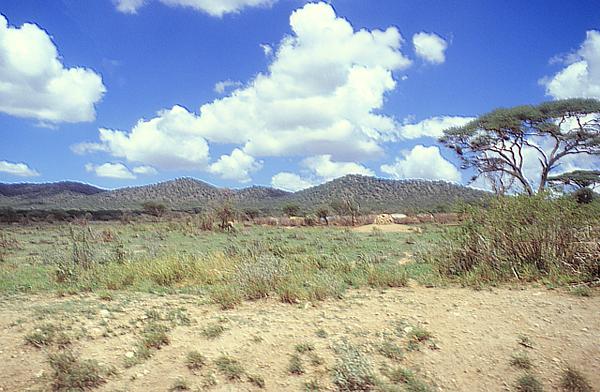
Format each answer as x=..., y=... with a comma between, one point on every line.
x=295, y=366
x=71, y=374
x=206, y=222
x=154, y=208
x=257, y=380
x=155, y=336
x=523, y=238
x=213, y=330
x=407, y=378
x=583, y=195
x=230, y=368
x=528, y=383
x=390, y=350
x=180, y=385
x=521, y=361
x=47, y=335
x=195, y=360
x=581, y=291
x=291, y=210
x=227, y=296
x=352, y=371
x=260, y=277
x=573, y=381
x=304, y=347
x=323, y=285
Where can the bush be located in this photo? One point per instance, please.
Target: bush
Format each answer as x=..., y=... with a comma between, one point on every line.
x=583, y=195
x=291, y=209
x=573, y=381
x=524, y=238
x=528, y=383
x=352, y=372
x=195, y=360
x=259, y=278
x=227, y=296
x=231, y=368
x=71, y=374
x=154, y=208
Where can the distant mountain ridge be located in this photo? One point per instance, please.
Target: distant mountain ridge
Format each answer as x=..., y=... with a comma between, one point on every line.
x=47, y=189
x=377, y=194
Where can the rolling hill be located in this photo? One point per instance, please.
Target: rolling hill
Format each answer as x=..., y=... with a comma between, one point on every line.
x=373, y=194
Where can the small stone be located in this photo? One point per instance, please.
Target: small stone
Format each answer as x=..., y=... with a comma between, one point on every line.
x=104, y=313
x=129, y=354
x=39, y=374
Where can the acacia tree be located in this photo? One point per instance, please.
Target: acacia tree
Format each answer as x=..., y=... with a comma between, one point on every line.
x=496, y=144
x=347, y=206
x=577, y=178
x=323, y=213
x=581, y=180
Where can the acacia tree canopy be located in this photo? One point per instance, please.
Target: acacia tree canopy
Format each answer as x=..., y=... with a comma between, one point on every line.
x=577, y=178
x=496, y=144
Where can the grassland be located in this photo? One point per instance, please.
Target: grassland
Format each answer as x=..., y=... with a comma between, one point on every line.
x=167, y=306
x=163, y=257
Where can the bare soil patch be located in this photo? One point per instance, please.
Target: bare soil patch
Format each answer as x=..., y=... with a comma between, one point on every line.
x=391, y=228
x=474, y=336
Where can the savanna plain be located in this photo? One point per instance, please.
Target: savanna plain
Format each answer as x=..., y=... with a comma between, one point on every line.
x=173, y=305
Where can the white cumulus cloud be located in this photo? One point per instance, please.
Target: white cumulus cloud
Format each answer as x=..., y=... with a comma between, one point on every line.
x=216, y=8
x=290, y=182
x=168, y=141
x=35, y=84
x=321, y=95
x=432, y=127
x=236, y=166
x=110, y=170
x=581, y=76
x=17, y=169
x=317, y=170
x=423, y=162
x=430, y=47
x=145, y=170
x=325, y=169
x=221, y=87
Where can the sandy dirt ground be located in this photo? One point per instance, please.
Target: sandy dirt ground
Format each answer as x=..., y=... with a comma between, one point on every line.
x=391, y=228
x=474, y=335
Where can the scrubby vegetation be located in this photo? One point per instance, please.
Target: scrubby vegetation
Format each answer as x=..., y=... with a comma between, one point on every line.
x=524, y=239
x=310, y=265
x=573, y=381
x=353, y=370
x=73, y=374
x=289, y=270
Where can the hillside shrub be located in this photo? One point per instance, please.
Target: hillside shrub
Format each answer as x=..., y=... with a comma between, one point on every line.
x=523, y=238
x=584, y=195
x=154, y=208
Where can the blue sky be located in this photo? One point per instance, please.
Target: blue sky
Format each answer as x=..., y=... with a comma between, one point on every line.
x=110, y=92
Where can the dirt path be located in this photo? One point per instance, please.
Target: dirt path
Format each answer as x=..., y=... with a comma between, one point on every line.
x=474, y=335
